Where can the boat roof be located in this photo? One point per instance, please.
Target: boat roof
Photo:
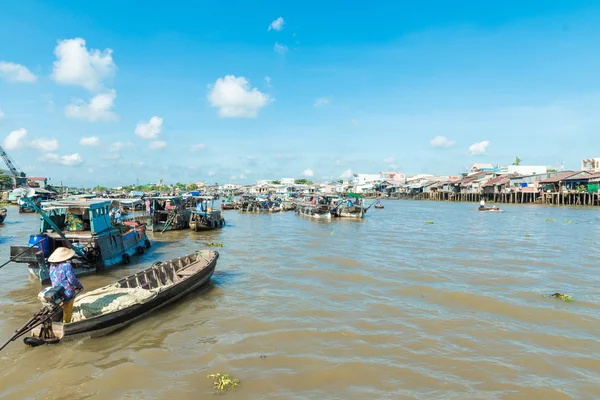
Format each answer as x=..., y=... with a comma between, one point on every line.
x=92, y=204
x=164, y=197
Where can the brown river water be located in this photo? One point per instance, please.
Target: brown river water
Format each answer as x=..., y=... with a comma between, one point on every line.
x=385, y=308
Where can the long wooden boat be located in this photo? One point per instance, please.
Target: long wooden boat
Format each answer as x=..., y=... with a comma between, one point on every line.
x=115, y=306
x=3, y=212
x=87, y=227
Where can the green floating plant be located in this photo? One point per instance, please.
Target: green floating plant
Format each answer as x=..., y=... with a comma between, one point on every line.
x=527, y=235
x=563, y=297
x=215, y=244
x=567, y=221
x=428, y=222
x=550, y=220
x=223, y=382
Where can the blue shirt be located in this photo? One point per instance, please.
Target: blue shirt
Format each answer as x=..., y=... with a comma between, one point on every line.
x=63, y=275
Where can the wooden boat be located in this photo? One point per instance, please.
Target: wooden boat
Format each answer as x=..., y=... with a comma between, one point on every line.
x=489, y=208
x=3, y=212
x=169, y=213
x=204, y=216
x=314, y=209
x=379, y=206
x=227, y=206
x=115, y=306
x=86, y=227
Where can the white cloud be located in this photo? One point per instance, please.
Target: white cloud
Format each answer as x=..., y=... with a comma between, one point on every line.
x=68, y=160
x=118, y=146
x=14, y=140
x=347, y=174
x=157, y=144
x=308, y=173
x=45, y=145
x=16, y=73
x=477, y=149
x=151, y=130
x=90, y=141
x=90, y=170
x=197, y=147
x=389, y=160
x=247, y=171
x=1, y=114
x=268, y=81
x=251, y=157
x=322, y=101
x=233, y=178
x=355, y=122
x=75, y=65
x=242, y=176
x=441, y=141
x=98, y=109
x=235, y=99
x=211, y=173
x=277, y=24
x=280, y=48
x=393, y=166
x=338, y=162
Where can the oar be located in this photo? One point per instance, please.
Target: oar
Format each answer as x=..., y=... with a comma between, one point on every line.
x=377, y=199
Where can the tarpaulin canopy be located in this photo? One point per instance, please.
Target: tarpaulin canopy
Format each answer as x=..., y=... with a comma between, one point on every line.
x=354, y=195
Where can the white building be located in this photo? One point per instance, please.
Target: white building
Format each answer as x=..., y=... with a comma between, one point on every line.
x=524, y=169
x=591, y=165
x=231, y=186
x=362, y=179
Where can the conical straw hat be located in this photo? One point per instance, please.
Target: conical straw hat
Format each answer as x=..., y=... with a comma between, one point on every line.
x=61, y=254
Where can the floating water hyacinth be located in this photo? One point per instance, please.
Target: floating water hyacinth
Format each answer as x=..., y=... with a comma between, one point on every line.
x=428, y=222
x=215, y=244
x=550, y=220
x=223, y=382
x=567, y=221
x=564, y=297
x=527, y=235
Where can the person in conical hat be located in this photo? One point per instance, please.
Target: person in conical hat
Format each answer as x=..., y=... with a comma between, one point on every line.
x=62, y=274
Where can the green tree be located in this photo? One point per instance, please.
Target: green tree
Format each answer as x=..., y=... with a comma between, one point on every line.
x=276, y=182
x=340, y=181
x=99, y=189
x=192, y=186
x=6, y=181
x=517, y=161
x=302, y=182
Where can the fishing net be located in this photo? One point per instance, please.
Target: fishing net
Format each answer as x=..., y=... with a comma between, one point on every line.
x=109, y=299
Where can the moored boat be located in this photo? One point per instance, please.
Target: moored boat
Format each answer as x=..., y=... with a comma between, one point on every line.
x=204, y=216
x=3, y=212
x=86, y=227
x=315, y=208
x=117, y=305
x=169, y=213
x=494, y=208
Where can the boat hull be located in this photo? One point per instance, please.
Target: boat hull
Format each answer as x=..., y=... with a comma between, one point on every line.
x=131, y=246
x=3, y=212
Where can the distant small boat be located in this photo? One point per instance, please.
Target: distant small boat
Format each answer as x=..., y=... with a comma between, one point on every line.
x=380, y=206
x=3, y=212
x=204, y=216
x=489, y=208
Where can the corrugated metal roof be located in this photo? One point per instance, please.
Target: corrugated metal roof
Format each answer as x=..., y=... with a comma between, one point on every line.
x=500, y=180
x=563, y=176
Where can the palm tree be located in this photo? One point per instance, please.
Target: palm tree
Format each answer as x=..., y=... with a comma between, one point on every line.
x=517, y=161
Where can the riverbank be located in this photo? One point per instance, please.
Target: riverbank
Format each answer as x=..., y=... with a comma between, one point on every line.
x=555, y=198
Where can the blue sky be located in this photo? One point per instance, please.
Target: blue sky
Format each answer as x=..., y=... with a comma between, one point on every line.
x=420, y=88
